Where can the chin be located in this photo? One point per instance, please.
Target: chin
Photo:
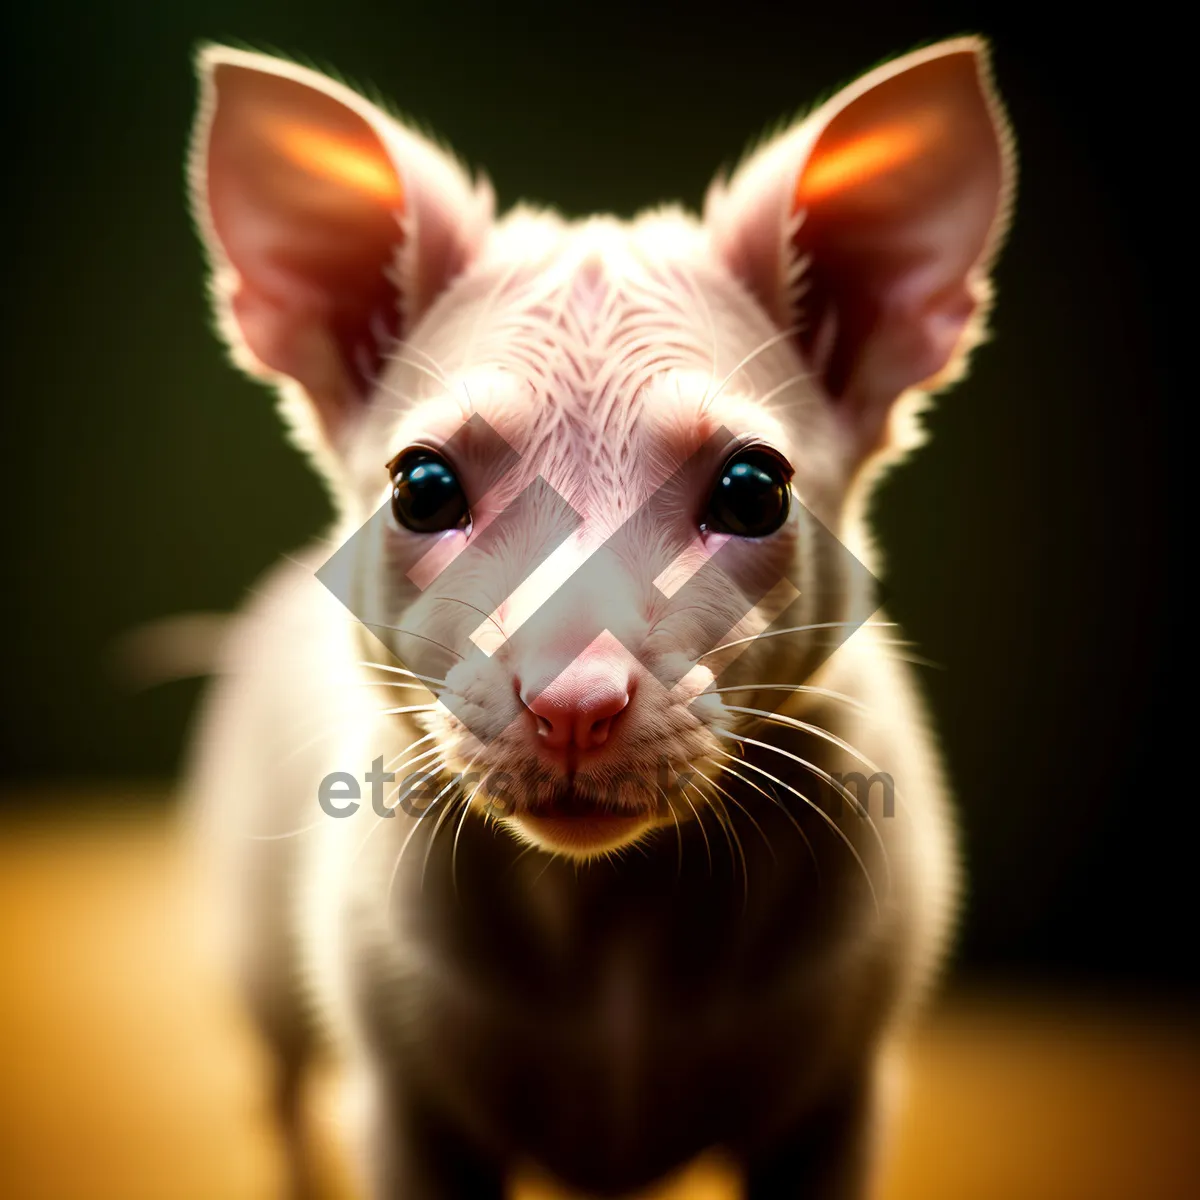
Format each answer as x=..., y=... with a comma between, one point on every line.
x=576, y=818
x=581, y=836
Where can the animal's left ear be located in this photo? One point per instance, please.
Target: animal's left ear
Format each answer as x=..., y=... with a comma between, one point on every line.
x=870, y=227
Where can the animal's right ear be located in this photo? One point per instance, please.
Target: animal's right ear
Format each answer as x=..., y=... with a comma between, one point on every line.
x=331, y=228
x=870, y=228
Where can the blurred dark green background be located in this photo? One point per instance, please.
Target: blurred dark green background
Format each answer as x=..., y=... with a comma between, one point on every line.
x=1027, y=542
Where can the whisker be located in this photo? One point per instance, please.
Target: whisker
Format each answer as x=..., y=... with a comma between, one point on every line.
x=447, y=809
x=860, y=809
x=395, y=764
x=412, y=687
x=458, y=779
x=779, y=388
x=775, y=800
x=409, y=633
x=486, y=616
x=394, y=393
x=916, y=660
x=416, y=824
x=812, y=805
x=703, y=833
x=466, y=808
x=735, y=842
x=551, y=857
x=433, y=362
x=804, y=688
x=400, y=671
x=406, y=708
x=678, y=830
x=437, y=376
x=773, y=340
x=806, y=727
x=278, y=837
x=328, y=727
x=723, y=824
x=379, y=819
x=333, y=728
x=770, y=633
x=749, y=816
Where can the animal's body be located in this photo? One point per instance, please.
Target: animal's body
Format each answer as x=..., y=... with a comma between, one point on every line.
x=606, y=980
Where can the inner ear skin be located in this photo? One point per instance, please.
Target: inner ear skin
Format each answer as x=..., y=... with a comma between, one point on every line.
x=899, y=200
x=869, y=228
x=330, y=226
x=310, y=232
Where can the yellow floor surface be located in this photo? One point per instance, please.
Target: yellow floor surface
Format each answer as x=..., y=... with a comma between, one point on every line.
x=127, y=1073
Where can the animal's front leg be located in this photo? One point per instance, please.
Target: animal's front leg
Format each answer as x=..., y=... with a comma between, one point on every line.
x=411, y=1149
x=830, y=1155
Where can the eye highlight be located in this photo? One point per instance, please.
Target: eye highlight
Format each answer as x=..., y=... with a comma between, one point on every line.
x=751, y=497
x=427, y=496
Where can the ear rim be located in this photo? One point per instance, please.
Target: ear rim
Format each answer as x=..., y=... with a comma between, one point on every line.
x=303, y=410
x=788, y=150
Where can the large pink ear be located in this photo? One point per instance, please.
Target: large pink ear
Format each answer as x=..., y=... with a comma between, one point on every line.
x=870, y=227
x=331, y=227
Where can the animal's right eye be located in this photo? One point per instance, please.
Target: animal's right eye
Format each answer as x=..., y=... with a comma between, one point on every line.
x=426, y=494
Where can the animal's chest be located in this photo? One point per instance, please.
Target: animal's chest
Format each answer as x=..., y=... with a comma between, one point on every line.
x=614, y=1038
x=608, y=1070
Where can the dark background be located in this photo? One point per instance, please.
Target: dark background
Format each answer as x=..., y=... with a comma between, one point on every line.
x=1027, y=542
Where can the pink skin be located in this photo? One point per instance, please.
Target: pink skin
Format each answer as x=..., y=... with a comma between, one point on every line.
x=577, y=738
x=843, y=264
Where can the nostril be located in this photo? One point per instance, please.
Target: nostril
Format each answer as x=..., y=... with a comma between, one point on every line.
x=595, y=720
x=555, y=722
x=576, y=712
x=597, y=733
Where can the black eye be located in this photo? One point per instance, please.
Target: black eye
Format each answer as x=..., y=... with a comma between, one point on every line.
x=426, y=494
x=751, y=496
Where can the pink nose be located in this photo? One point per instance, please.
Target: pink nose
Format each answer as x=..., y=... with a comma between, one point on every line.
x=578, y=710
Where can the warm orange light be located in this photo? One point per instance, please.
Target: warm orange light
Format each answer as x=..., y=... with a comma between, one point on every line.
x=864, y=159
x=343, y=162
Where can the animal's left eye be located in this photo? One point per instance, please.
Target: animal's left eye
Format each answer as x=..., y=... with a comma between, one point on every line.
x=751, y=497
x=426, y=494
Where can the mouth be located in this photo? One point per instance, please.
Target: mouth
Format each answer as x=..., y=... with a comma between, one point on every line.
x=571, y=820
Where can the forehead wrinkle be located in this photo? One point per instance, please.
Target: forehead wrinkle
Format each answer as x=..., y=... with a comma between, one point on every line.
x=583, y=325
x=583, y=344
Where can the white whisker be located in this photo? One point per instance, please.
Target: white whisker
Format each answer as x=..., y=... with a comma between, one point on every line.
x=678, y=830
x=437, y=376
x=803, y=688
x=406, y=708
x=770, y=633
x=723, y=824
x=400, y=671
x=703, y=833
x=416, y=824
x=806, y=727
x=749, y=815
x=775, y=800
x=812, y=805
x=773, y=340
x=466, y=808
x=779, y=388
